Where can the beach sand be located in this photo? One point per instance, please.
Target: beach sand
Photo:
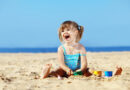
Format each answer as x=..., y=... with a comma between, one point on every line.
x=20, y=71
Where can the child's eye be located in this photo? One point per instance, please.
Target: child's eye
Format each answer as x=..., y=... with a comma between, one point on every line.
x=62, y=30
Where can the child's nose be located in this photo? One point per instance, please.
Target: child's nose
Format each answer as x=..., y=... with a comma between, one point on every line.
x=66, y=31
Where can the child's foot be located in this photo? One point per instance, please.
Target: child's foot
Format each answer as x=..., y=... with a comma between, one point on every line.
x=118, y=71
x=46, y=70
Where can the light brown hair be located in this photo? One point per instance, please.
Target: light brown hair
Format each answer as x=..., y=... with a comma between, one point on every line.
x=68, y=24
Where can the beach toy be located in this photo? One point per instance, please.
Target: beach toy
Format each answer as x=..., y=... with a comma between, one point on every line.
x=98, y=73
x=108, y=73
x=78, y=73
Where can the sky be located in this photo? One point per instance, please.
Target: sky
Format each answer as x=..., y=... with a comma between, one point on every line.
x=34, y=23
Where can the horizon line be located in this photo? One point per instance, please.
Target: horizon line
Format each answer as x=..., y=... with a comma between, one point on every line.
x=58, y=46
x=54, y=49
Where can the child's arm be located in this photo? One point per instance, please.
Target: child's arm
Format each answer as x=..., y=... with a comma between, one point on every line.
x=83, y=58
x=62, y=63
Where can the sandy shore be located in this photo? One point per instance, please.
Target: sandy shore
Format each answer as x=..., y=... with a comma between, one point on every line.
x=18, y=71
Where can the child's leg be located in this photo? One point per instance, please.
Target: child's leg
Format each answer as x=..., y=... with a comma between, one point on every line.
x=46, y=70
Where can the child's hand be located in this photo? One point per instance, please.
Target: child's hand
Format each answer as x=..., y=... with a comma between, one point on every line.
x=78, y=70
x=69, y=72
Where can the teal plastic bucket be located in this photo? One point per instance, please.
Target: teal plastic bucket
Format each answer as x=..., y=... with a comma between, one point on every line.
x=108, y=73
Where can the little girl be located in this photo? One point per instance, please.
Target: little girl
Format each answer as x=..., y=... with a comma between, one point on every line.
x=71, y=54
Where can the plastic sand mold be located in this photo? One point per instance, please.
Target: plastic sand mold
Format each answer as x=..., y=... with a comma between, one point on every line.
x=108, y=73
x=78, y=73
x=98, y=73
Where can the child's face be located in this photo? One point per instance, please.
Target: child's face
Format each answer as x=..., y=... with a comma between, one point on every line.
x=69, y=34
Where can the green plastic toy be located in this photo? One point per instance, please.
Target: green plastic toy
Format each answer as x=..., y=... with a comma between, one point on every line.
x=78, y=73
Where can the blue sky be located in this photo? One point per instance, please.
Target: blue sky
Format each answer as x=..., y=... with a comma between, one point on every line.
x=34, y=23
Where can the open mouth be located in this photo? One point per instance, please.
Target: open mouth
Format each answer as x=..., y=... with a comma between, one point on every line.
x=67, y=36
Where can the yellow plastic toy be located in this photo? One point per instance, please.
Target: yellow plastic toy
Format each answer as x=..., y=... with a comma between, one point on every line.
x=98, y=73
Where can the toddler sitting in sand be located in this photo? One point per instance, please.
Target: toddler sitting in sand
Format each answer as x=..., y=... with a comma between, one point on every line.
x=71, y=54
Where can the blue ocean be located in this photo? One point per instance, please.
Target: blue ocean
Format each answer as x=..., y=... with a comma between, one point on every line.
x=51, y=50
